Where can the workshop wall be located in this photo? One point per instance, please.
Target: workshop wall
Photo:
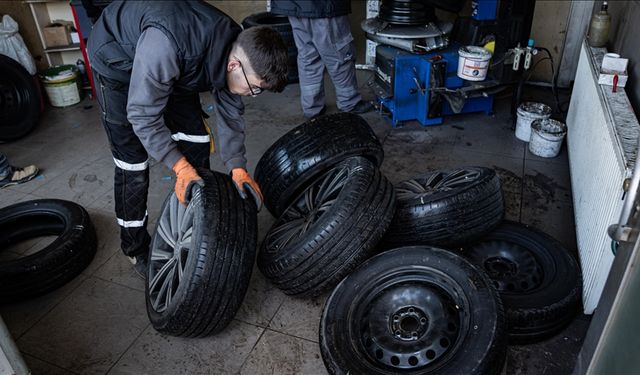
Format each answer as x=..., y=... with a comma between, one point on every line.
x=549, y=28
x=623, y=39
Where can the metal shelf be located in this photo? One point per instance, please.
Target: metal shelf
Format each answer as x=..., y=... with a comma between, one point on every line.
x=71, y=47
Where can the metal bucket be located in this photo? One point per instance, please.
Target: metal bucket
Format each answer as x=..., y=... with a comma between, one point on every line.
x=527, y=113
x=546, y=137
x=62, y=85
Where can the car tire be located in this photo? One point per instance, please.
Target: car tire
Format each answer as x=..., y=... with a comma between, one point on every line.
x=201, y=258
x=332, y=227
x=54, y=265
x=539, y=281
x=414, y=310
x=446, y=208
x=310, y=149
x=19, y=100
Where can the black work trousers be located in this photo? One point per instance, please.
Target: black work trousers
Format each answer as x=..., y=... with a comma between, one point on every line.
x=183, y=116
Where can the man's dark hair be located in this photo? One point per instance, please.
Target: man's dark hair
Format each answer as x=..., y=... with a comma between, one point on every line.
x=267, y=54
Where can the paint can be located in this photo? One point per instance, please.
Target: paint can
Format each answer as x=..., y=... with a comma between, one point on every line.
x=473, y=63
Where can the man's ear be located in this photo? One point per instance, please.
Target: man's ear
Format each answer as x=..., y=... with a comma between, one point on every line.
x=232, y=65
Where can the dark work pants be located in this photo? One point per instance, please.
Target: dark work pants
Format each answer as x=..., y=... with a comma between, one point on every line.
x=131, y=182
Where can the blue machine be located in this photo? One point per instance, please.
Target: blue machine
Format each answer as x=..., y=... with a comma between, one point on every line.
x=410, y=85
x=404, y=81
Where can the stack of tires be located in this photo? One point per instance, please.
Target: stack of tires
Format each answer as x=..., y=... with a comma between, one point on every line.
x=321, y=180
x=415, y=308
x=419, y=309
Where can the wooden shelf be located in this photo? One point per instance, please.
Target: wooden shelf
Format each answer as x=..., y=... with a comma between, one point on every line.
x=71, y=47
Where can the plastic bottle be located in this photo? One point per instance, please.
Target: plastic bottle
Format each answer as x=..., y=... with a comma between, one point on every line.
x=599, y=28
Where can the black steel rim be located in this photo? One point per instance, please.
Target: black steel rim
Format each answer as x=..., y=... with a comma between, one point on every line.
x=412, y=319
x=513, y=268
x=170, y=250
x=437, y=182
x=14, y=101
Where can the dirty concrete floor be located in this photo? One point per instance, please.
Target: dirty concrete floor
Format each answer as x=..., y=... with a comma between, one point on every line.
x=97, y=323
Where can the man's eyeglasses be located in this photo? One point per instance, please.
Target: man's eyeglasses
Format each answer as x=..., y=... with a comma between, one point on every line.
x=253, y=89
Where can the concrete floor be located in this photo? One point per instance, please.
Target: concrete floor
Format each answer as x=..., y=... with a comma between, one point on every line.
x=97, y=324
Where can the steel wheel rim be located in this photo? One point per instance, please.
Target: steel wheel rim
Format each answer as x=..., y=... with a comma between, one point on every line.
x=308, y=208
x=437, y=182
x=411, y=320
x=512, y=268
x=170, y=250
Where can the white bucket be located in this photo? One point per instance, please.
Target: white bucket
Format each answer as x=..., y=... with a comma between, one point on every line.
x=62, y=85
x=527, y=113
x=546, y=137
x=473, y=63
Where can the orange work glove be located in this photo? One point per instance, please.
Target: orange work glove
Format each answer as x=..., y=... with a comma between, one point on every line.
x=245, y=184
x=185, y=176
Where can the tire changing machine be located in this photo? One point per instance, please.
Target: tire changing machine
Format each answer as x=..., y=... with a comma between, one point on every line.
x=425, y=86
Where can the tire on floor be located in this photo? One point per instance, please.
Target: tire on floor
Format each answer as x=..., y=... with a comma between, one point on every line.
x=19, y=100
x=54, y=265
x=446, y=208
x=329, y=229
x=309, y=150
x=414, y=310
x=539, y=281
x=201, y=259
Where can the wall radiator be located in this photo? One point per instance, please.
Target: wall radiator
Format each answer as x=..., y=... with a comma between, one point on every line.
x=602, y=140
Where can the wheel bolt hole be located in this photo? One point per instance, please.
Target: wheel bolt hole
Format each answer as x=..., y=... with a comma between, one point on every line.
x=423, y=321
x=395, y=360
x=444, y=342
x=396, y=318
x=379, y=354
x=413, y=361
x=411, y=310
x=430, y=354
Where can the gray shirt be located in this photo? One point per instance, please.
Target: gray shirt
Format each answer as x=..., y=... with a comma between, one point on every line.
x=155, y=69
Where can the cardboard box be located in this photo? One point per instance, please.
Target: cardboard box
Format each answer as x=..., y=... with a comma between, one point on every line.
x=57, y=34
